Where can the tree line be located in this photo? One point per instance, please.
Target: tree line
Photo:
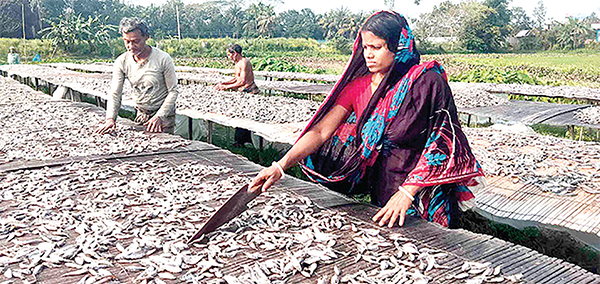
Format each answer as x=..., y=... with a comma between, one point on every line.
x=468, y=26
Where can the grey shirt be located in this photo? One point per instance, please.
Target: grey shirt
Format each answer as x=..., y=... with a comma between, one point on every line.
x=153, y=81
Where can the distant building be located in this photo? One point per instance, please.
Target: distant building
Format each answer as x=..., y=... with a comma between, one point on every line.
x=440, y=39
x=523, y=33
x=515, y=41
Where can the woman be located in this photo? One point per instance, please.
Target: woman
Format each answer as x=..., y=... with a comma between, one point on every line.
x=389, y=126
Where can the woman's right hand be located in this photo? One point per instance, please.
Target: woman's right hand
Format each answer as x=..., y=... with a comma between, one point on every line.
x=265, y=179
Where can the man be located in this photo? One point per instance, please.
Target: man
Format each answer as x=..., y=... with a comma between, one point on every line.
x=151, y=73
x=243, y=82
x=244, y=77
x=13, y=56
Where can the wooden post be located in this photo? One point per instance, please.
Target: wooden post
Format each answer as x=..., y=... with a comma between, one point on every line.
x=190, y=129
x=23, y=18
x=571, y=130
x=178, y=26
x=469, y=120
x=210, y=132
x=581, y=133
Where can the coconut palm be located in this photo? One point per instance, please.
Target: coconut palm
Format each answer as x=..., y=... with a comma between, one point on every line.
x=260, y=19
x=572, y=33
x=337, y=22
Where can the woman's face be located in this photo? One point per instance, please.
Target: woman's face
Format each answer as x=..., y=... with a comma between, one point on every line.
x=378, y=57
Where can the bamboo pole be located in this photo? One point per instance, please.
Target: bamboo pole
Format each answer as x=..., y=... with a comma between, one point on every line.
x=23, y=18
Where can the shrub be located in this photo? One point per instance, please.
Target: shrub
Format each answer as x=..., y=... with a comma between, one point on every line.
x=27, y=48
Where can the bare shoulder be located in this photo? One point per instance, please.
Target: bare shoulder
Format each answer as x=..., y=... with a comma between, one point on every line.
x=245, y=63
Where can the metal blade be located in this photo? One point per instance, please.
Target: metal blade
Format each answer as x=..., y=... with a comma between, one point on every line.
x=234, y=206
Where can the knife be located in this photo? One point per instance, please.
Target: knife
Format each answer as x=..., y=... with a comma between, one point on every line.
x=233, y=207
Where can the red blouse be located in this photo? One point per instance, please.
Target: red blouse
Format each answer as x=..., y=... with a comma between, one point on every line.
x=356, y=95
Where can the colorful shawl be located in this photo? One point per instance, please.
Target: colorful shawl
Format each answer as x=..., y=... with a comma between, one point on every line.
x=354, y=147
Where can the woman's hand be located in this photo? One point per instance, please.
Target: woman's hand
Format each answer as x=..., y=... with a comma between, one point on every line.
x=395, y=208
x=265, y=179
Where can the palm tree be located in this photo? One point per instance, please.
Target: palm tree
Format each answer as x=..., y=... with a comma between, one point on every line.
x=260, y=19
x=235, y=17
x=337, y=22
x=572, y=33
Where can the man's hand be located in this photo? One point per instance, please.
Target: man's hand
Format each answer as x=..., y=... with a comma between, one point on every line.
x=108, y=125
x=395, y=208
x=154, y=125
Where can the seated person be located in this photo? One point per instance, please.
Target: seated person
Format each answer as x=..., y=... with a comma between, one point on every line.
x=244, y=77
x=13, y=56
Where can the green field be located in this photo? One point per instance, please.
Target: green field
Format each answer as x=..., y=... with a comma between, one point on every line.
x=546, y=68
x=574, y=68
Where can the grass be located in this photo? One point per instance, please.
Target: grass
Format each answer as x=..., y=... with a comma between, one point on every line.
x=579, y=133
x=550, y=68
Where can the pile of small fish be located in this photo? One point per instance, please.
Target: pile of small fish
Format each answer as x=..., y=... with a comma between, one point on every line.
x=12, y=91
x=589, y=115
x=299, y=76
x=561, y=184
x=467, y=95
x=270, y=109
x=537, y=159
x=59, y=129
x=541, y=90
x=128, y=222
x=60, y=75
x=97, y=67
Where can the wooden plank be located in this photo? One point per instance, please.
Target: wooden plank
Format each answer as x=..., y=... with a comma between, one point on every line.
x=551, y=204
x=471, y=245
x=570, y=217
x=547, y=266
x=495, y=202
x=567, y=215
x=562, y=269
x=552, y=216
x=527, y=210
x=584, y=278
x=521, y=263
x=518, y=204
x=504, y=206
x=445, y=241
x=568, y=279
x=595, y=279
x=490, y=252
x=538, y=206
x=504, y=257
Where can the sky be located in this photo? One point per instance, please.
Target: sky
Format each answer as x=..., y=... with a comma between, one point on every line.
x=555, y=9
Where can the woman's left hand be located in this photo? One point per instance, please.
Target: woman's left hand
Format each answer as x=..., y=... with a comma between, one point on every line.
x=395, y=209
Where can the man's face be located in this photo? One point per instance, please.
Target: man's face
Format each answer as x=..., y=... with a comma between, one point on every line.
x=230, y=55
x=134, y=42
